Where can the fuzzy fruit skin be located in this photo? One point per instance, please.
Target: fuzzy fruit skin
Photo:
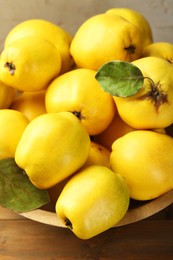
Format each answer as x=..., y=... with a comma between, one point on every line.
x=31, y=104
x=137, y=19
x=145, y=110
x=159, y=49
x=105, y=37
x=98, y=155
x=93, y=200
x=144, y=158
x=116, y=129
x=29, y=63
x=79, y=92
x=60, y=38
x=52, y=147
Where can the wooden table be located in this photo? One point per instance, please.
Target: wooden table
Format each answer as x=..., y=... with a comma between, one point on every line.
x=24, y=239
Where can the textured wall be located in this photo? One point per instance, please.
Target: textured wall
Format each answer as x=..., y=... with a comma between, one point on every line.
x=70, y=14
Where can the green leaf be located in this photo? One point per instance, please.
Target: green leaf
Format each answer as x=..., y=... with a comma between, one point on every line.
x=120, y=78
x=16, y=190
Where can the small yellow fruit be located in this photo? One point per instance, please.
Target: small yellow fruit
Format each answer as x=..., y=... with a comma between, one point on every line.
x=79, y=92
x=98, y=155
x=29, y=63
x=159, y=49
x=60, y=38
x=52, y=147
x=152, y=106
x=144, y=158
x=92, y=201
x=12, y=125
x=137, y=19
x=31, y=104
x=105, y=37
x=116, y=129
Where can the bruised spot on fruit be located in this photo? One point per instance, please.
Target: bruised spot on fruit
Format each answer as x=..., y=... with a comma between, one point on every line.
x=78, y=114
x=156, y=95
x=130, y=49
x=11, y=67
x=68, y=223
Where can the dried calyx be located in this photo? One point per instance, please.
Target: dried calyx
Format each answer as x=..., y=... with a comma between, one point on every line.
x=155, y=94
x=11, y=67
x=78, y=114
x=130, y=49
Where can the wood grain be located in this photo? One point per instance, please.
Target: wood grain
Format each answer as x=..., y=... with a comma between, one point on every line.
x=24, y=239
x=8, y=214
x=28, y=240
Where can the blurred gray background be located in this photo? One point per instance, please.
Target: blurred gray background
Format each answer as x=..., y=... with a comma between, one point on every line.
x=72, y=13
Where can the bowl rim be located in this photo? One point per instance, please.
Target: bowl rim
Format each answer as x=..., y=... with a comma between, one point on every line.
x=135, y=214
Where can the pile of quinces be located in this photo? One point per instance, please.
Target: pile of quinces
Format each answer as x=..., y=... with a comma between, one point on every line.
x=88, y=117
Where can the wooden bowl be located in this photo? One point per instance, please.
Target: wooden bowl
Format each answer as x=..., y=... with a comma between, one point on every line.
x=137, y=211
